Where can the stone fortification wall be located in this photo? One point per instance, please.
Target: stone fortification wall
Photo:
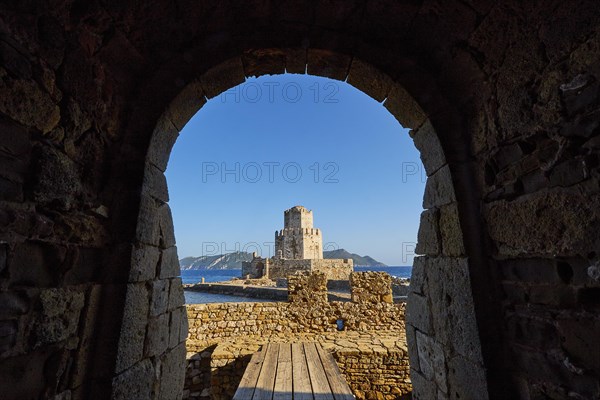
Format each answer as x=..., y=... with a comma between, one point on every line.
x=335, y=269
x=367, y=337
x=230, y=320
x=371, y=287
x=299, y=243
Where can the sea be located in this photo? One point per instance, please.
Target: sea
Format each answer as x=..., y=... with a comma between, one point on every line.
x=209, y=275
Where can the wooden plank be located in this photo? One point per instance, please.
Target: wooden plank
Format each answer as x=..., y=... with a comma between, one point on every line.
x=283, y=378
x=266, y=379
x=339, y=386
x=302, y=389
x=247, y=385
x=318, y=379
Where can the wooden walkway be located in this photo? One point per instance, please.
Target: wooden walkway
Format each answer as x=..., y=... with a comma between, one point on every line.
x=298, y=371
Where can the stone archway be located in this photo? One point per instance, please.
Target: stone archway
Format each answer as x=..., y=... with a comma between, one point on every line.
x=442, y=328
x=510, y=87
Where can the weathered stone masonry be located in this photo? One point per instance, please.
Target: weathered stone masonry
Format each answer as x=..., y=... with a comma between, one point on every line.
x=371, y=348
x=502, y=100
x=298, y=248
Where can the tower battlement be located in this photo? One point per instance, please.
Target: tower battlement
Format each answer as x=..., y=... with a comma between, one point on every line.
x=299, y=239
x=298, y=217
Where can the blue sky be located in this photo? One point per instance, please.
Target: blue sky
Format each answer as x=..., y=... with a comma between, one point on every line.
x=279, y=141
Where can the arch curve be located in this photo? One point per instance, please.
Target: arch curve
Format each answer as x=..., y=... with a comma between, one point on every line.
x=508, y=88
x=434, y=340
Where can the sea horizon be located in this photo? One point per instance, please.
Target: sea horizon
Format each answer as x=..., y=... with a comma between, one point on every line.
x=191, y=276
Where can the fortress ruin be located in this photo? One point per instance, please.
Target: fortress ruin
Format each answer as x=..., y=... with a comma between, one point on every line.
x=298, y=247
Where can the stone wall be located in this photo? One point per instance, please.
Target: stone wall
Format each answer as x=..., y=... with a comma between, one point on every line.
x=309, y=289
x=227, y=320
x=358, y=333
x=371, y=287
x=257, y=268
x=335, y=269
x=502, y=100
x=223, y=336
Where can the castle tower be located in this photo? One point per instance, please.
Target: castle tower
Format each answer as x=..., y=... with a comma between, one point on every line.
x=298, y=240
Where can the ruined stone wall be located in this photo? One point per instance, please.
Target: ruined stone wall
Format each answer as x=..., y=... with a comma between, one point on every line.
x=371, y=287
x=366, y=337
x=375, y=372
x=257, y=268
x=226, y=320
x=335, y=269
x=371, y=350
x=502, y=99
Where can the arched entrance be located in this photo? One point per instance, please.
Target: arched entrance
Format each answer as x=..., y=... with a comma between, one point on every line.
x=441, y=321
x=92, y=95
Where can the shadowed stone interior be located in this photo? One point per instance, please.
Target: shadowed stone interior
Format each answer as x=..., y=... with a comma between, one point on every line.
x=503, y=102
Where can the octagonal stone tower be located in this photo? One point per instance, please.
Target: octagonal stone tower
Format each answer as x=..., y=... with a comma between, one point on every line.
x=298, y=240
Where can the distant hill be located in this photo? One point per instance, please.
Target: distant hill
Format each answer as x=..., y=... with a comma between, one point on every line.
x=362, y=261
x=222, y=261
x=234, y=260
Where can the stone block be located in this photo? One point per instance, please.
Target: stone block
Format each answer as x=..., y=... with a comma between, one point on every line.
x=184, y=327
x=58, y=181
x=507, y=155
x=569, y=173
x=418, y=283
x=3, y=257
x=531, y=270
x=89, y=317
x=167, y=232
x=452, y=309
x=531, y=331
x=187, y=103
x=371, y=287
x=176, y=295
x=580, y=340
x=423, y=389
x=144, y=262
x=432, y=360
x=295, y=61
x=418, y=313
x=428, y=238
x=134, y=383
x=169, y=263
x=133, y=327
x=328, y=64
x=439, y=189
x=60, y=311
x=466, y=380
x=369, y=80
x=555, y=223
x=451, y=232
x=413, y=350
x=148, y=229
x=155, y=183
x=430, y=149
x=14, y=304
x=222, y=77
x=157, y=336
x=160, y=297
x=163, y=138
x=172, y=373
x=259, y=62
x=175, y=326
x=304, y=287
x=28, y=103
x=404, y=107
x=8, y=335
